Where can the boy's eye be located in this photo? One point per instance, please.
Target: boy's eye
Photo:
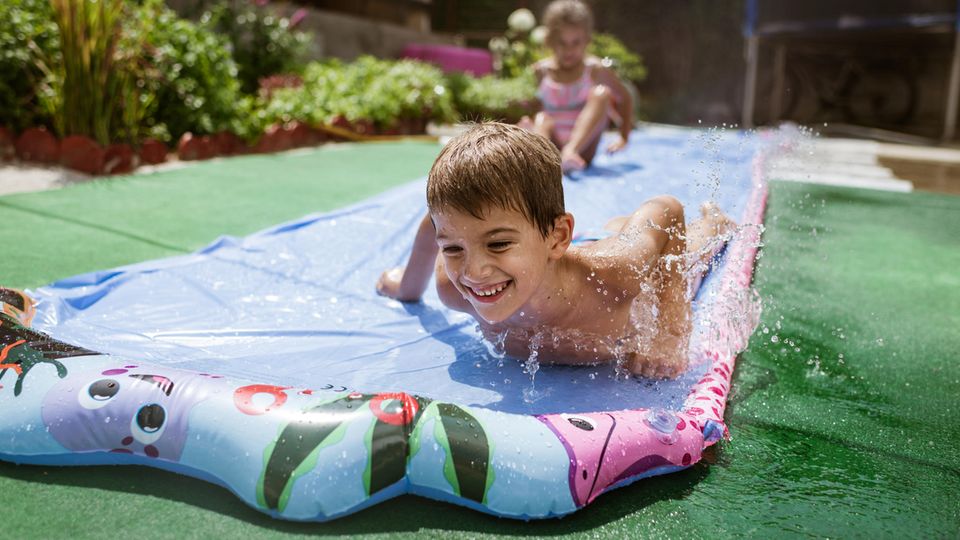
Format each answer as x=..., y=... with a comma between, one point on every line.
x=499, y=246
x=451, y=250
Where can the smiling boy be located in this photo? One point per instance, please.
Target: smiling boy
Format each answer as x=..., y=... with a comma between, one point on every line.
x=497, y=217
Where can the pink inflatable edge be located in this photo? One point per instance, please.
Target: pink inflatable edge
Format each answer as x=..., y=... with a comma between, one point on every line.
x=674, y=440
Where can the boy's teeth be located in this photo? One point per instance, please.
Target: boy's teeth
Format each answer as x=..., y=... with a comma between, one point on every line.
x=490, y=292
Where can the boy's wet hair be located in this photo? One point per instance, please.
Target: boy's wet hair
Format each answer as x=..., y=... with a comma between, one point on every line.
x=562, y=13
x=499, y=165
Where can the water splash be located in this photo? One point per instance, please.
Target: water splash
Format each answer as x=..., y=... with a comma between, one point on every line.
x=531, y=366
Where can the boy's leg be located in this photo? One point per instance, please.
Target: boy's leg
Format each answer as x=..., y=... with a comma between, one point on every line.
x=705, y=238
x=713, y=223
x=578, y=152
x=667, y=356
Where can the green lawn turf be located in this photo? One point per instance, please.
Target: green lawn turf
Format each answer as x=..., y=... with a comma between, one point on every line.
x=107, y=223
x=843, y=427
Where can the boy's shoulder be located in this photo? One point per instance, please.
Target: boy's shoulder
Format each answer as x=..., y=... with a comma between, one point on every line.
x=607, y=260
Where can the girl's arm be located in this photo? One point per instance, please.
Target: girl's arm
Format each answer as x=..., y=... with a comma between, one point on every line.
x=407, y=284
x=623, y=104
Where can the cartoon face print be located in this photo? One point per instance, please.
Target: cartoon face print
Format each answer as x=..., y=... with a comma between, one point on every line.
x=605, y=448
x=585, y=437
x=127, y=410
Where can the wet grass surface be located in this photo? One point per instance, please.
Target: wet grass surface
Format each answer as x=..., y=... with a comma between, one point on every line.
x=842, y=413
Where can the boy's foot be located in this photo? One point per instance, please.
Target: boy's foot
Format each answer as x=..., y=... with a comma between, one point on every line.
x=717, y=222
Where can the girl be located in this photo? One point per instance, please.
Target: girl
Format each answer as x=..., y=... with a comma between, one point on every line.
x=579, y=95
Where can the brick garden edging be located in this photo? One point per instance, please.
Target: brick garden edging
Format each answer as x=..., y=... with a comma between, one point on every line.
x=82, y=153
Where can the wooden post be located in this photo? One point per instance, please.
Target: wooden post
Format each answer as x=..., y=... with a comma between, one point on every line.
x=950, y=122
x=750, y=81
x=779, y=66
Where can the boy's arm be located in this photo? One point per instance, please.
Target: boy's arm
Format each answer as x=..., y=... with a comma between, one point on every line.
x=407, y=284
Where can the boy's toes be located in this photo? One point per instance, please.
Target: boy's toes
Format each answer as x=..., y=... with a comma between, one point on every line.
x=710, y=210
x=719, y=221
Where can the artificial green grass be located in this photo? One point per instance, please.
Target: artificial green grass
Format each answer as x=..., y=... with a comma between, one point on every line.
x=116, y=221
x=842, y=426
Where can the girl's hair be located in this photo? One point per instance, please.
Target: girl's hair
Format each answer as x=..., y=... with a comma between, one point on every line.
x=499, y=165
x=562, y=13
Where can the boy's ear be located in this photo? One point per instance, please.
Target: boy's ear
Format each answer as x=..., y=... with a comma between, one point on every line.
x=561, y=235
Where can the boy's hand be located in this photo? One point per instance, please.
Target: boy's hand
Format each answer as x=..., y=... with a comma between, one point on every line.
x=617, y=145
x=389, y=284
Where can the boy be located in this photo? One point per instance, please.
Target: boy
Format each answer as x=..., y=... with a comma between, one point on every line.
x=496, y=215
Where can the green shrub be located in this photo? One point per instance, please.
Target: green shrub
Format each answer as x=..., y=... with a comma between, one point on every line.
x=262, y=43
x=286, y=105
x=249, y=119
x=381, y=91
x=29, y=44
x=188, y=78
x=408, y=89
x=629, y=66
x=493, y=98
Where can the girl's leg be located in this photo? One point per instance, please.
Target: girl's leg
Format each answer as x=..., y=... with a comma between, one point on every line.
x=578, y=152
x=543, y=125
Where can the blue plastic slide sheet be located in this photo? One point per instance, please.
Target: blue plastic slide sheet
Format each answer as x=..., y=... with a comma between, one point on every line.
x=296, y=304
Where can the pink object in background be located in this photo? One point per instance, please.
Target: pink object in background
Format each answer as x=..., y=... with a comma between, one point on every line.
x=477, y=62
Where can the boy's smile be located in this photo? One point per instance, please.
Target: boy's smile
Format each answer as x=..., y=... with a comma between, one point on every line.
x=497, y=263
x=489, y=294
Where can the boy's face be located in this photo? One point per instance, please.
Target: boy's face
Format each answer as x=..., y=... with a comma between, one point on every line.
x=569, y=46
x=497, y=263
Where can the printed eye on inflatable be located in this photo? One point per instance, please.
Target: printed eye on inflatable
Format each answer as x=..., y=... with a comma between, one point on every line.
x=268, y=364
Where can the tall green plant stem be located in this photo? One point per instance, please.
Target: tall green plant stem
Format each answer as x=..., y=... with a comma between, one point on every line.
x=90, y=89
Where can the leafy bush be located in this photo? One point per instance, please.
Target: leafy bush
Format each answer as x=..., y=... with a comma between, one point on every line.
x=262, y=43
x=493, y=98
x=629, y=66
x=188, y=78
x=409, y=90
x=29, y=42
x=381, y=91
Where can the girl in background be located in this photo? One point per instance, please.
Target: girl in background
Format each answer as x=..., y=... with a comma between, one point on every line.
x=579, y=96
